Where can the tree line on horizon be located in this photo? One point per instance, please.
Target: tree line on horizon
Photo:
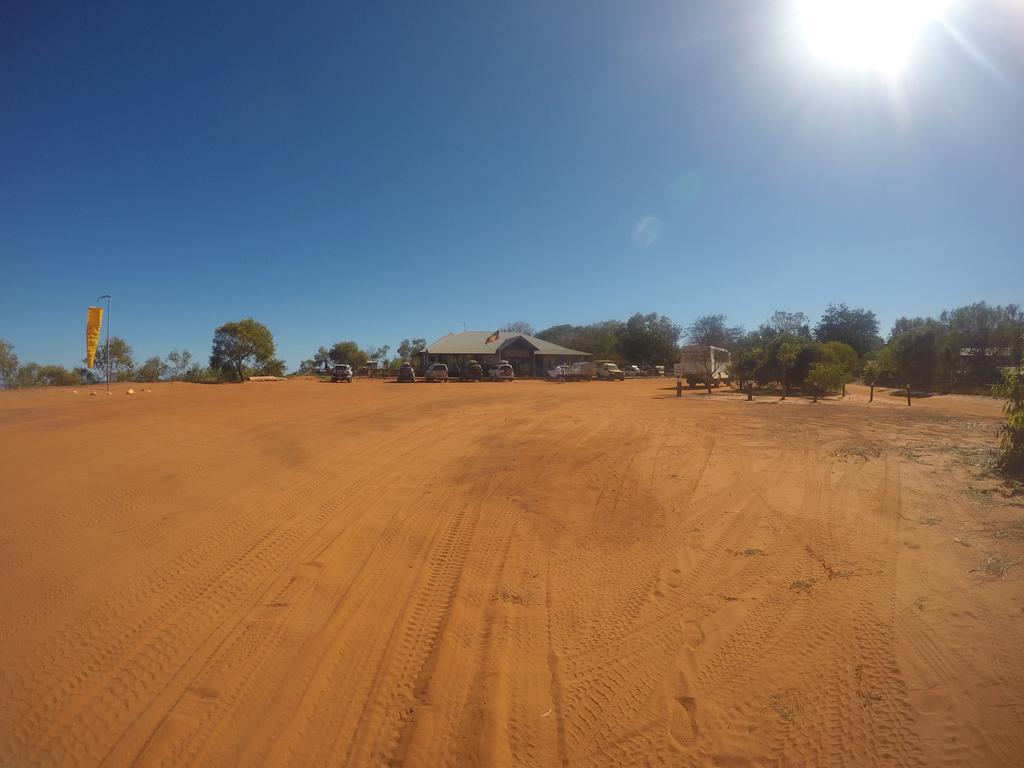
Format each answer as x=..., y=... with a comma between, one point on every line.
x=963, y=350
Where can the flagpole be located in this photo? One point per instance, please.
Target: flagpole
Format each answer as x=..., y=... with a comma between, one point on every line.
x=107, y=353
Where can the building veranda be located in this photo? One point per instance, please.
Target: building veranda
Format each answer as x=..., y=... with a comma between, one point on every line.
x=528, y=355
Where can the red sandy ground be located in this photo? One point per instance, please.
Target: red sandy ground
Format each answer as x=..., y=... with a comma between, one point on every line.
x=523, y=574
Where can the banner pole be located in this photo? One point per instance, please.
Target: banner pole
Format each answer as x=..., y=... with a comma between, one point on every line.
x=107, y=347
x=108, y=344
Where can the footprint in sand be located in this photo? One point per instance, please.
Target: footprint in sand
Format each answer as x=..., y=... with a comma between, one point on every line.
x=682, y=726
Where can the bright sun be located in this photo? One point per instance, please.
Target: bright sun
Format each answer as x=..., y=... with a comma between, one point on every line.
x=866, y=34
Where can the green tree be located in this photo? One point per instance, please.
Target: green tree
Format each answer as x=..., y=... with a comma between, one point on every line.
x=122, y=360
x=825, y=377
x=915, y=358
x=245, y=344
x=787, y=355
x=842, y=355
x=151, y=370
x=411, y=352
x=1011, y=449
x=177, y=363
x=744, y=366
x=650, y=339
x=35, y=375
x=8, y=364
x=601, y=339
x=856, y=327
x=712, y=330
x=346, y=352
x=791, y=324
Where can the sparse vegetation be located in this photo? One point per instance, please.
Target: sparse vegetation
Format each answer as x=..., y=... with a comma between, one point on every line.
x=242, y=347
x=1011, y=449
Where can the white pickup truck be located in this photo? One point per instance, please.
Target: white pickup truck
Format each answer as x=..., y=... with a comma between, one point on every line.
x=582, y=371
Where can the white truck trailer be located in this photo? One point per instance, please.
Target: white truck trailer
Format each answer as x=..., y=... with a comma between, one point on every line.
x=704, y=364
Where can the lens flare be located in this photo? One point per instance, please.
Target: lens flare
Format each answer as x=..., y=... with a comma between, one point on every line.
x=876, y=35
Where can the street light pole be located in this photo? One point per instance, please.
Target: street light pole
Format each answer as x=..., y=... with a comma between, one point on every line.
x=106, y=354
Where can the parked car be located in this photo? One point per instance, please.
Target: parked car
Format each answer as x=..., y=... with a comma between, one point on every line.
x=631, y=370
x=473, y=371
x=502, y=371
x=342, y=372
x=406, y=373
x=437, y=372
x=608, y=370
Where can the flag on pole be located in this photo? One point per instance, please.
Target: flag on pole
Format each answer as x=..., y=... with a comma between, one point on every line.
x=492, y=337
x=92, y=333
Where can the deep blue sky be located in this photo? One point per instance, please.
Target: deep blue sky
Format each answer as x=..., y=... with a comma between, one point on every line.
x=393, y=170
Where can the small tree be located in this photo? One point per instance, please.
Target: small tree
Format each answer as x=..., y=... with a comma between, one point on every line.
x=178, y=363
x=517, y=326
x=8, y=364
x=243, y=344
x=915, y=355
x=411, y=351
x=712, y=330
x=843, y=355
x=35, y=375
x=825, y=377
x=744, y=366
x=1011, y=450
x=122, y=360
x=151, y=370
x=346, y=352
x=786, y=356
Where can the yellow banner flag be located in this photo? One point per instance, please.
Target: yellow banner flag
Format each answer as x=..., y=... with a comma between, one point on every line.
x=92, y=333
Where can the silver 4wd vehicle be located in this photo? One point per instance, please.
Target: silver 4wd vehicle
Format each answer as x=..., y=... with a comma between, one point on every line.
x=437, y=372
x=342, y=372
x=502, y=371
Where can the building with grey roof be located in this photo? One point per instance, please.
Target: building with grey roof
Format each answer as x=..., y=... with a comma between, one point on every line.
x=528, y=355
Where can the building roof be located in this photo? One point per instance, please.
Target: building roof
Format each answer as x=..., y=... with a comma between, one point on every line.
x=473, y=343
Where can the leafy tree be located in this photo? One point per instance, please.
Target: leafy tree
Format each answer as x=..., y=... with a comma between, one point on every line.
x=792, y=324
x=1011, y=449
x=825, y=377
x=410, y=352
x=599, y=339
x=650, y=339
x=842, y=355
x=915, y=355
x=35, y=375
x=744, y=367
x=787, y=355
x=273, y=367
x=712, y=330
x=8, y=364
x=177, y=363
x=343, y=352
x=241, y=345
x=856, y=327
x=518, y=326
x=122, y=360
x=151, y=370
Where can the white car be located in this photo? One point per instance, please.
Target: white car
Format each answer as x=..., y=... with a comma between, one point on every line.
x=437, y=372
x=502, y=372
